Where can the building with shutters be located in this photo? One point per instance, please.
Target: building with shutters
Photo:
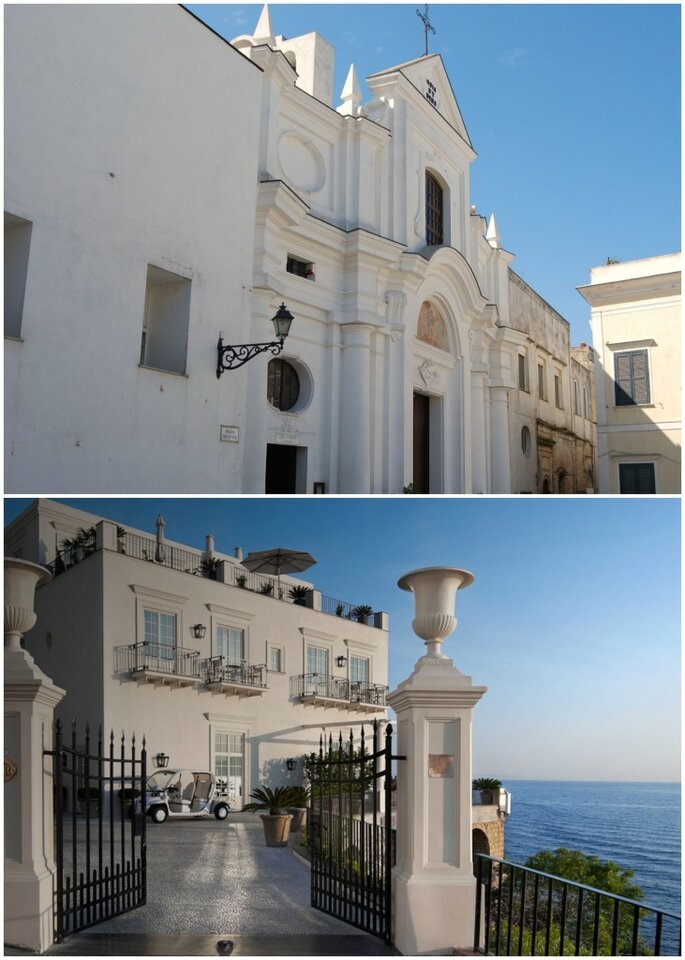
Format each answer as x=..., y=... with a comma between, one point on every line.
x=221, y=669
x=635, y=319
x=136, y=234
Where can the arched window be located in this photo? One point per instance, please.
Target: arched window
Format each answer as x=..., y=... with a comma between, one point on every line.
x=480, y=844
x=434, y=211
x=283, y=385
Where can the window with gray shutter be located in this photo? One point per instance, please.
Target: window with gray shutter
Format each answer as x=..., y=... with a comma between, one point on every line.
x=636, y=478
x=631, y=375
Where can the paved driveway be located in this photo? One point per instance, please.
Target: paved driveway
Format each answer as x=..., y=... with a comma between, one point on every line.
x=215, y=889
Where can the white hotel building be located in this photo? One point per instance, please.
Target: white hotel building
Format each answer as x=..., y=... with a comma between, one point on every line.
x=216, y=673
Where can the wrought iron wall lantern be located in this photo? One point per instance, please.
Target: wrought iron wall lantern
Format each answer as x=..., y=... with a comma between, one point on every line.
x=290, y=763
x=232, y=357
x=162, y=760
x=199, y=630
x=341, y=661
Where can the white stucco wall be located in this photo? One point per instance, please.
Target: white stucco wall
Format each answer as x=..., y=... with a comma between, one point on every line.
x=130, y=140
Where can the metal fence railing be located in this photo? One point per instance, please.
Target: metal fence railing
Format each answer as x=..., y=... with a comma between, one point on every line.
x=524, y=912
x=197, y=564
x=157, y=658
x=337, y=688
x=218, y=670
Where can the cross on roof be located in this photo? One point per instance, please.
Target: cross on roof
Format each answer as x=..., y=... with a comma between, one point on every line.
x=427, y=25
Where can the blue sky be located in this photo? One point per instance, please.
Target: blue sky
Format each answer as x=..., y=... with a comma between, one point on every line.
x=574, y=110
x=573, y=622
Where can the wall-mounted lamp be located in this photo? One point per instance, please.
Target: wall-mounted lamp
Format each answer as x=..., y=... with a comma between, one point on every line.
x=290, y=763
x=161, y=760
x=199, y=630
x=232, y=357
x=341, y=660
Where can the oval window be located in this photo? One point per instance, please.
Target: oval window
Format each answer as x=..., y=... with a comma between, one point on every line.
x=525, y=440
x=283, y=385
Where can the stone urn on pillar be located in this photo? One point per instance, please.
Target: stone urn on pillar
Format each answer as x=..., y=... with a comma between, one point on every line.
x=435, y=596
x=433, y=882
x=30, y=699
x=21, y=579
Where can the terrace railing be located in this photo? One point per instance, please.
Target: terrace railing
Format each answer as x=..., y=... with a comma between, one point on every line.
x=194, y=562
x=217, y=670
x=157, y=658
x=524, y=912
x=337, y=688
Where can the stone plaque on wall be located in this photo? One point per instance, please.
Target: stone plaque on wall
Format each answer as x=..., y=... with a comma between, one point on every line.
x=441, y=766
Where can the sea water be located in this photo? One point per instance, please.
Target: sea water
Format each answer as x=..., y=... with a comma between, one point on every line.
x=635, y=824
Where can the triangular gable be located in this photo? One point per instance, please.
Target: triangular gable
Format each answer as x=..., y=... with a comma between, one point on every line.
x=429, y=77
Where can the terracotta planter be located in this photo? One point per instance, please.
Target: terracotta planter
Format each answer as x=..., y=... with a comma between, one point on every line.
x=276, y=828
x=299, y=815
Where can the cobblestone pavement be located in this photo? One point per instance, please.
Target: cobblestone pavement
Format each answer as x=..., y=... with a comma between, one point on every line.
x=209, y=881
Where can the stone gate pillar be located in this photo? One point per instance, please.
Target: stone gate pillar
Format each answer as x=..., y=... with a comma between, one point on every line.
x=30, y=700
x=433, y=882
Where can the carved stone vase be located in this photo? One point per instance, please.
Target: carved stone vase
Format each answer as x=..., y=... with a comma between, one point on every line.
x=435, y=594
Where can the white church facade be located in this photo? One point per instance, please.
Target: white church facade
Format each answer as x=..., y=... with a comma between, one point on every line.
x=150, y=211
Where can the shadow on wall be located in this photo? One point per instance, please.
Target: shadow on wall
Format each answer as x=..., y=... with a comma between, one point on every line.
x=666, y=454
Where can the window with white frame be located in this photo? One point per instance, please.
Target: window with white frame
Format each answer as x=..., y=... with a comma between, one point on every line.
x=230, y=644
x=359, y=669
x=229, y=765
x=160, y=633
x=275, y=658
x=317, y=660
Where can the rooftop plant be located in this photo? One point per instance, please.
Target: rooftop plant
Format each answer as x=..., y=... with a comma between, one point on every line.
x=486, y=783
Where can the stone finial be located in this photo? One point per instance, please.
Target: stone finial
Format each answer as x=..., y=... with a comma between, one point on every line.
x=351, y=95
x=491, y=234
x=263, y=30
x=435, y=593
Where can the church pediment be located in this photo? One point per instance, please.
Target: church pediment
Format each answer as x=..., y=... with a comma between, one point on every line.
x=429, y=77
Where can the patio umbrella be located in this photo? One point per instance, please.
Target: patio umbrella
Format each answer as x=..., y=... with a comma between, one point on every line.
x=279, y=560
x=160, y=549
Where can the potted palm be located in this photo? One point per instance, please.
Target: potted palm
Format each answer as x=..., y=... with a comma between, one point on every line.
x=276, y=822
x=299, y=595
x=362, y=613
x=488, y=788
x=298, y=808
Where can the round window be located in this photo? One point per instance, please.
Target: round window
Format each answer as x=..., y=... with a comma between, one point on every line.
x=525, y=441
x=283, y=385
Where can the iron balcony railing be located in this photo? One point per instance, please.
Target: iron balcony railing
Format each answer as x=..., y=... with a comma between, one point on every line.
x=157, y=658
x=524, y=912
x=218, y=670
x=337, y=688
x=197, y=564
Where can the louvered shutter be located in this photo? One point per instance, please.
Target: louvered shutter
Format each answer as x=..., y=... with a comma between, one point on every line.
x=631, y=374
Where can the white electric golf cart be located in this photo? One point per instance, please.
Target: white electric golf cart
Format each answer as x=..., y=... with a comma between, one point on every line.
x=182, y=793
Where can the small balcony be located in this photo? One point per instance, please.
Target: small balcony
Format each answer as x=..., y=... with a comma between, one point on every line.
x=159, y=664
x=319, y=690
x=240, y=679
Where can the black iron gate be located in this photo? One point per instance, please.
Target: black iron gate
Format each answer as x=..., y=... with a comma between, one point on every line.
x=99, y=837
x=351, y=839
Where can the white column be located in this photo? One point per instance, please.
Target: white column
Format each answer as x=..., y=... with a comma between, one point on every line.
x=30, y=699
x=355, y=412
x=499, y=440
x=479, y=476
x=433, y=883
